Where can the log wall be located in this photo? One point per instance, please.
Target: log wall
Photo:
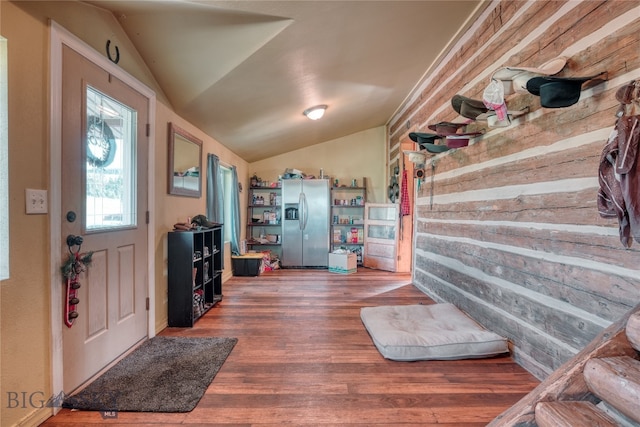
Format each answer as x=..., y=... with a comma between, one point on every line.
x=508, y=228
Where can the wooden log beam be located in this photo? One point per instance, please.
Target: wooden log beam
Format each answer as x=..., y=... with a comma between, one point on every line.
x=567, y=382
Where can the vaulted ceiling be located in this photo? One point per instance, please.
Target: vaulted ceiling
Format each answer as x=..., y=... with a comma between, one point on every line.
x=244, y=71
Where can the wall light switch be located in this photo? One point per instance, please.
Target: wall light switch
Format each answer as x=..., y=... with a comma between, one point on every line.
x=36, y=201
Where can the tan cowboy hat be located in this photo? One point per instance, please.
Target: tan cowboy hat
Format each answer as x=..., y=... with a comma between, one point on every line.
x=514, y=80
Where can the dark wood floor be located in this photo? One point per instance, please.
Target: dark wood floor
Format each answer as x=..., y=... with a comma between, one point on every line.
x=304, y=358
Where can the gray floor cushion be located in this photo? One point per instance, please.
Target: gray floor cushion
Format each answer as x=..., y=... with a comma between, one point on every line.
x=429, y=332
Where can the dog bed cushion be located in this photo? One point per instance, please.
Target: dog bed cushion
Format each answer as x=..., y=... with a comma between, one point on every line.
x=429, y=332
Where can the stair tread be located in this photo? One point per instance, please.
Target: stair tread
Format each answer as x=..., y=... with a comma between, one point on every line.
x=616, y=380
x=633, y=330
x=571, y=413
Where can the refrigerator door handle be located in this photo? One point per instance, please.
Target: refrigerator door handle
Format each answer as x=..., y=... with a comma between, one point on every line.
x=305, y=211
x=301, y=207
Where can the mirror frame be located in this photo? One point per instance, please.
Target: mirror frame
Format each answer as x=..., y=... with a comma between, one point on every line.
x=178, y=132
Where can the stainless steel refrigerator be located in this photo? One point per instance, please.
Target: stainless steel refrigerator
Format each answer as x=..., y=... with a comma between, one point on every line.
x=305, y=222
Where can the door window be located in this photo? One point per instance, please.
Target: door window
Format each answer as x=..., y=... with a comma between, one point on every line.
x=385, y=213
x=382, y=232
x=110, y=179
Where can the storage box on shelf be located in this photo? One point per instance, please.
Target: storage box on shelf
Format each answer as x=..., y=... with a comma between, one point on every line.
x=194, y=274
x=347, y=218
x=264, y=218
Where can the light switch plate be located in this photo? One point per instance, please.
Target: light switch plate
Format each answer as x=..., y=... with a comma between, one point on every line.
x=36, y=201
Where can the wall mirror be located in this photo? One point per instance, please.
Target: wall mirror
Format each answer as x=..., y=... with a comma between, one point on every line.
x=185, y=163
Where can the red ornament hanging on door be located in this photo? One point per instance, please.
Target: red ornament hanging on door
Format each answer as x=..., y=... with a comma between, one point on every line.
x=71, y=269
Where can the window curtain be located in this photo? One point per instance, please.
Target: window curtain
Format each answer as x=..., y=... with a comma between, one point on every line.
x=234, y=221
x=215, y=194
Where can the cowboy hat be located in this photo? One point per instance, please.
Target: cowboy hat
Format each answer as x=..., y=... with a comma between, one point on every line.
x=519, y=82
x=460, y=140
x=415, y=136
x=447, y=128
x=435, y=148
x=467, y=107
x=427, y=138
x=549, y=68
x=508, y=74
x=558, y=92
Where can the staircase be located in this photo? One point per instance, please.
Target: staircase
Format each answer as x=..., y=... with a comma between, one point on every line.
x=599, y=387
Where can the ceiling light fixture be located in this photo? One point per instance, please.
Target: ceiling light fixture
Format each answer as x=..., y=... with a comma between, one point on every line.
x=315, y=113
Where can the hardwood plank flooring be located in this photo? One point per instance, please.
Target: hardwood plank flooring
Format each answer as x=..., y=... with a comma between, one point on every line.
x=304, y=358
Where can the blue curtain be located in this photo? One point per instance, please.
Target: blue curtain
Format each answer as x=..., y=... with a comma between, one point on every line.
x=215, y=190
x=215, y=194
x=234, y=221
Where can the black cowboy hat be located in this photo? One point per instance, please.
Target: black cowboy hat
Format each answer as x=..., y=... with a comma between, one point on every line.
x=558, y=92
x=435, y=148
x=428, y=142
x=417, y=136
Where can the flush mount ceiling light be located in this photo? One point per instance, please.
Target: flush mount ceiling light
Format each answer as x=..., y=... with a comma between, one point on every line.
x=314, y=113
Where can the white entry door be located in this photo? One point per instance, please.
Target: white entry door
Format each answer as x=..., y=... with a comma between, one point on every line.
x=104, y=201
x=381, y=236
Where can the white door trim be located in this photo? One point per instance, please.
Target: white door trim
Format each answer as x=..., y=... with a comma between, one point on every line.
x=59, y=36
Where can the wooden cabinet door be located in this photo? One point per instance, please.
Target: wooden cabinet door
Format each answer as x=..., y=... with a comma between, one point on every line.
x=381, y=230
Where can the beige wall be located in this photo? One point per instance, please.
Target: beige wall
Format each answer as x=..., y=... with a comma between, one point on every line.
x=354, y=156
x=171, y=209
x=92, y=25
x=25, y=346
x=25, y=296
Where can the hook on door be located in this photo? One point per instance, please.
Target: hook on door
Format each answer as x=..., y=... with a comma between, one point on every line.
x=73, y=240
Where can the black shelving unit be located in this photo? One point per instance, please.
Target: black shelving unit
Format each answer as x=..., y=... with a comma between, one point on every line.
x=194, y=274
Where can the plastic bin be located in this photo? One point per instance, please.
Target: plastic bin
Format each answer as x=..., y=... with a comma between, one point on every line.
x=247, y=264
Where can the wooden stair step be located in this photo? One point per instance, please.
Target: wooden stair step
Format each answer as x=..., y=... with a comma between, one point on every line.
x=616, y=380
x=633, y=330
x=571, y=414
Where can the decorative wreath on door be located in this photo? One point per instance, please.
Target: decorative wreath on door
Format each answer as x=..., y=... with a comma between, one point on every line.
x=101, y=144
